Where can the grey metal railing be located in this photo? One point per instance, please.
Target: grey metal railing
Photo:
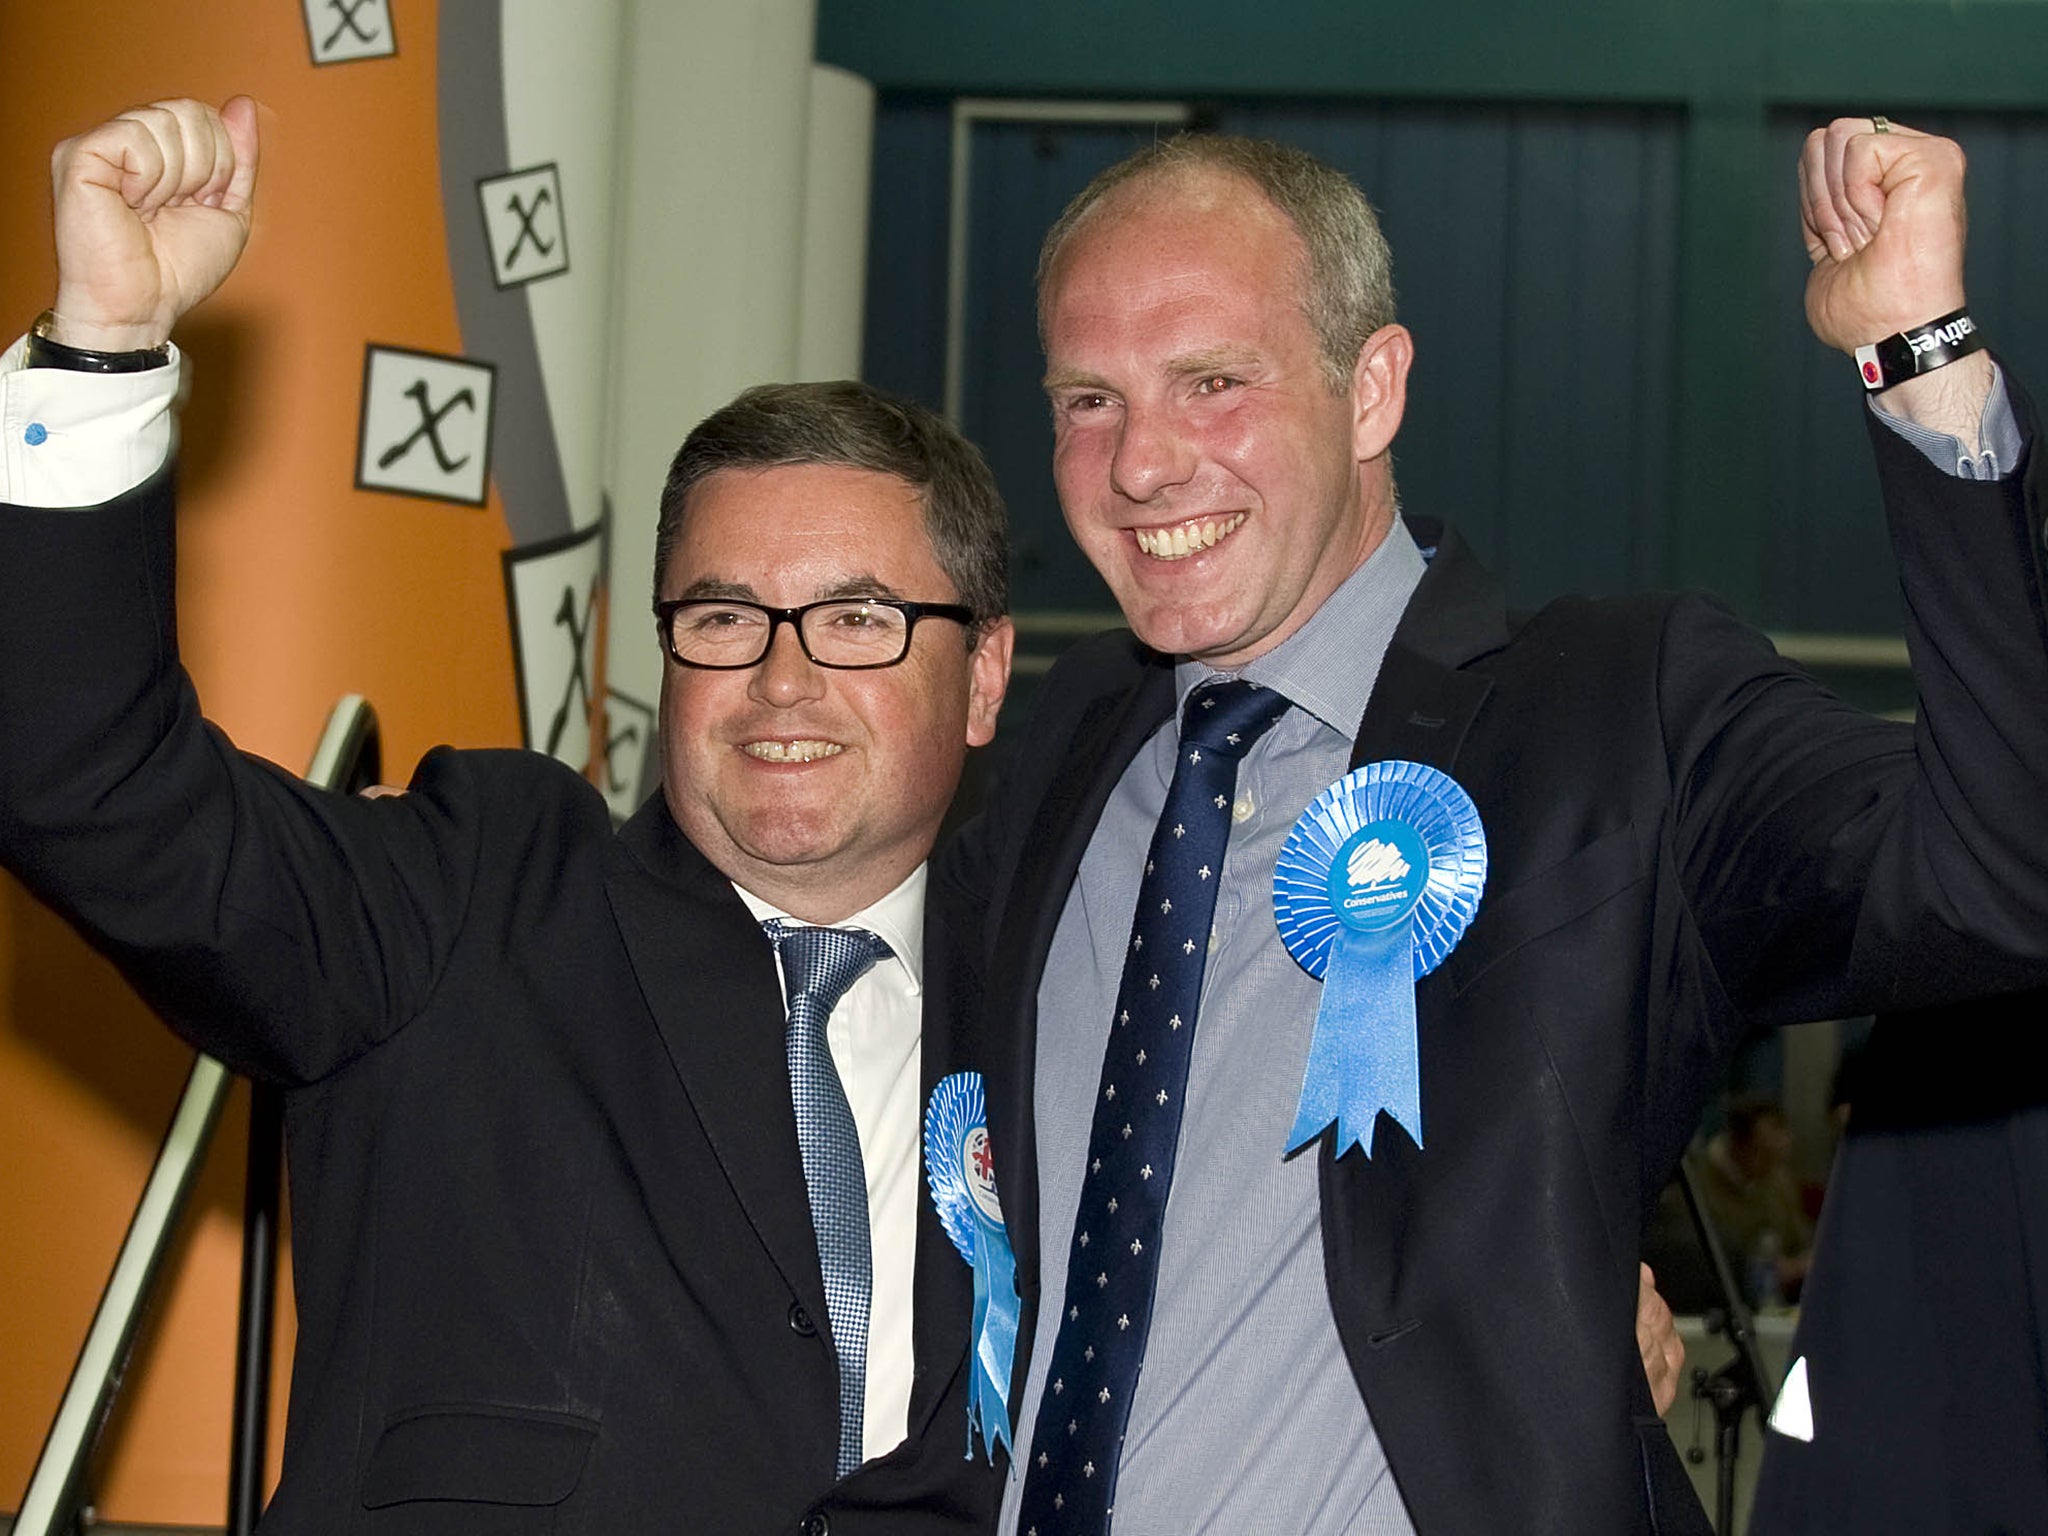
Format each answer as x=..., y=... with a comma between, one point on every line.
x=346, y=759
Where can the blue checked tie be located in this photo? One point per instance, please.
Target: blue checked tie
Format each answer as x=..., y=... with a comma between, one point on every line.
x=1113, y=1262
x=818, y=965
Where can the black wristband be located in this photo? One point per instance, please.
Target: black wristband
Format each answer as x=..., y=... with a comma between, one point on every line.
x=1920, y=350
x=42, y=352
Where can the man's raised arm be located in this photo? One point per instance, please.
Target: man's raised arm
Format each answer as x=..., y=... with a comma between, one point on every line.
x=282, y=929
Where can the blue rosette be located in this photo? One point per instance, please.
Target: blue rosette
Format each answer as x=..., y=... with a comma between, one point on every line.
x=1375, y=885
x=960, y=1168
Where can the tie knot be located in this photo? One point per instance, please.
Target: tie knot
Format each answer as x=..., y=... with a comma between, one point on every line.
x=1228, y=717
x=821, y=963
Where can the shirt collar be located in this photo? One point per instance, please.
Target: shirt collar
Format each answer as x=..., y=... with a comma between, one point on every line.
x=1328, y=666
x=898, y=919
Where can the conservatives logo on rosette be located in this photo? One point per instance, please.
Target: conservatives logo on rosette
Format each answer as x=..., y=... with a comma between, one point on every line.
x=1375, y=885
x=961, y=1170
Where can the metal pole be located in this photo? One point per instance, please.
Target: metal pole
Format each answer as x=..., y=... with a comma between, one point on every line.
x=256, y=1327
x=349, y=755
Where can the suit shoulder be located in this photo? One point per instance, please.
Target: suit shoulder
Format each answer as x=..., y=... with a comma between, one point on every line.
x=1643, y=629
x=1102, y=663
x=1095, y=679
x=511, y=784
x=1630, y=612
x=1106, y=666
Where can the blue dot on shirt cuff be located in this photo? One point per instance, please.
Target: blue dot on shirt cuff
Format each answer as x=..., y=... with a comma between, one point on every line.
x=36, y=435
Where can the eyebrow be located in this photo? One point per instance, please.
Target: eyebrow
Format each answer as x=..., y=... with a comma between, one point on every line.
x=1065, y=380
x=713, y=588
x=1212, y=360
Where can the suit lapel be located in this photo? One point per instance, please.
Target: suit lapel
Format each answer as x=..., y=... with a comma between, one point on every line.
x=1109, y=734
x=942, y=1288
x=1423, y=702
x=708, y=978
x=1422, y=709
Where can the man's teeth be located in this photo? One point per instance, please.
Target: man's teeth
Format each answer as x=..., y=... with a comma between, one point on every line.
x=792, y=751
x=1179, y=542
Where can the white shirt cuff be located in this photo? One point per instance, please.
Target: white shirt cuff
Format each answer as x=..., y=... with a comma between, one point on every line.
x=70, y=439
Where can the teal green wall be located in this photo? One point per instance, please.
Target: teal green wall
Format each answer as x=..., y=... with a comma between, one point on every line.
x=1979, y=53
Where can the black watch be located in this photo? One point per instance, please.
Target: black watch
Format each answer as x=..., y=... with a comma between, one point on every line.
x=43, y=352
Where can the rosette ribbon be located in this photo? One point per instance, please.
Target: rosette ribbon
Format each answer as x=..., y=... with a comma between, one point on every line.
x=1375, y=884
x=961, y=1171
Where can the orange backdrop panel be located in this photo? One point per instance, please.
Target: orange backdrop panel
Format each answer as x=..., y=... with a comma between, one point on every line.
x=294, y=588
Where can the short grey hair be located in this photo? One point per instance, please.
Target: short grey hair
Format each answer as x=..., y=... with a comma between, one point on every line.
x=1347, y=287
x=858, y=427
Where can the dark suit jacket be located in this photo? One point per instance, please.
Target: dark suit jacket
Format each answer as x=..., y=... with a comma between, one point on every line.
x=1687, y=837
x=1924, y=1322
x=554, y=1262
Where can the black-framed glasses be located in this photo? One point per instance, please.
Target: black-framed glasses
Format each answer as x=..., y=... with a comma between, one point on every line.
x=849, y=633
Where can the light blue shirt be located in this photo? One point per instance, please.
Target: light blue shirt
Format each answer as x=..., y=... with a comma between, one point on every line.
x=1246, y=1416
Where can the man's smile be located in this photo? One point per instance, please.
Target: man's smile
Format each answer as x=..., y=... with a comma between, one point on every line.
x=1189, y=538
x=799, y=750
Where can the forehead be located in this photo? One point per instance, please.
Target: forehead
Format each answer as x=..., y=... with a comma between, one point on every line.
x=1197, y=244
x=795, y=531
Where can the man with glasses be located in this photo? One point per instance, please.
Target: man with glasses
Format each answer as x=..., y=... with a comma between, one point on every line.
x=603, y=1148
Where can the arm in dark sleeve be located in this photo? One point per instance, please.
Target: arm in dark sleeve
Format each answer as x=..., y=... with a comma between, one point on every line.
x=279, y=927
x=1840, y=864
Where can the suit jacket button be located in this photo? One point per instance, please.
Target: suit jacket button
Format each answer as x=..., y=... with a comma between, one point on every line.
x=801, y=1325
x=817, y=1523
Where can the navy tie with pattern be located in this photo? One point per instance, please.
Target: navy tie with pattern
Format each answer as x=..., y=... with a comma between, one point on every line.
x=818, y=965
x=1113, y=1261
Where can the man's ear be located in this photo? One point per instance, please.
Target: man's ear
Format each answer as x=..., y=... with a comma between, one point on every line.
x=988, y=680
x=1379, y=390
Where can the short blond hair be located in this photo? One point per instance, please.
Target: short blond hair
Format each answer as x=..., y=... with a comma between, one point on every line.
x=1347, y=288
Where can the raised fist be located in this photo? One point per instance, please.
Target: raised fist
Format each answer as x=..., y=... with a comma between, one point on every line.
x=1884, y=225
x=152, y=212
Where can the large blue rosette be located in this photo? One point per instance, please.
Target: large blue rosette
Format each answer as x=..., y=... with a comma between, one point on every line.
x=961, y=1170
x=1375, y=885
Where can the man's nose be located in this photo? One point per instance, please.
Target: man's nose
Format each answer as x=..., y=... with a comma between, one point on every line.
x=1152, y=454
x=786, y=676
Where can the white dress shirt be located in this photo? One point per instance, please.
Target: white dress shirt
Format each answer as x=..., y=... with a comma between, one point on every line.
x=875, y=1034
